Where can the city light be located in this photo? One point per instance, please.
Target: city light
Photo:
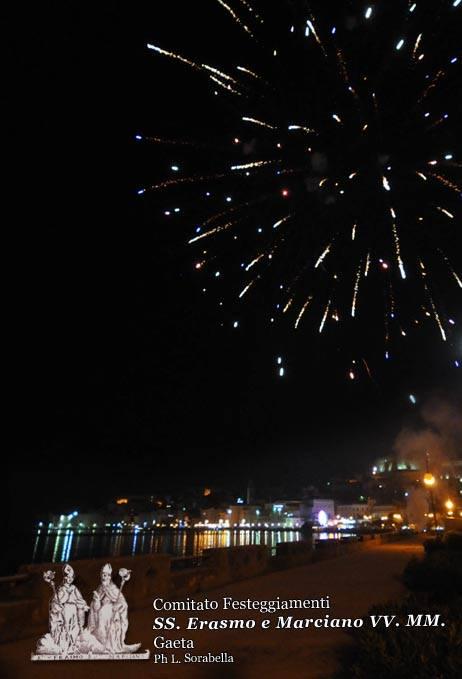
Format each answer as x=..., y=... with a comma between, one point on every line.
x=429, y=480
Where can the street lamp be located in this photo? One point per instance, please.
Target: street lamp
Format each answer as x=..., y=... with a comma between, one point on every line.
x=449, y=504
x=429, y=481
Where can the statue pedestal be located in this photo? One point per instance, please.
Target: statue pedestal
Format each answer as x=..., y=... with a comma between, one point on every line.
x=90, y=656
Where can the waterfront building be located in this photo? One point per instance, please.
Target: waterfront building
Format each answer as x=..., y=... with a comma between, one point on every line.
x=356, y=510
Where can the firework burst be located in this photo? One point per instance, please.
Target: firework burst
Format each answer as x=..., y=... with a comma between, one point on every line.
x=336, y=175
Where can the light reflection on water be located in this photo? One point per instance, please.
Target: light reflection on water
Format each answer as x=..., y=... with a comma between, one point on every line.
x=68, y=545
x=334, y=535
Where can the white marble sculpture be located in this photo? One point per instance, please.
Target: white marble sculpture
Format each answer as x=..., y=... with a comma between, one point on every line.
x=108, y=619
x=66, y=615
x=104, y=635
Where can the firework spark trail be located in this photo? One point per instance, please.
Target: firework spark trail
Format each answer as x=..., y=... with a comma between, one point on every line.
x=235, y=17
x=451, y=269
x=231, y=210
x=439, y=75
x=459, y=281
x=291, y=171
x=247, y=287
x=225, y=86
x=311, y=27
x=220, y=74
x=288, y=305
x=212, y=232
x=398, y=251
x=432, y=303
x=302, y=311
x=397, y=244
x=446, y=182
x=187, y=180
x=437, y=318
x=355, y=291
x=440, y=121
x=375, y=103
x=184, y=180
x=250, y=9
x=387, y=332
x=326, y=311
x=344, y=71
x=416, y=45
x=368, y=263
x=203, y=68
x=243, y=69
x=353, y=231
x=255, y=261
x=281, y=221
x=303, y=128
x=253, y=165
x=367, y=368
x=323, y=255
x=392, y=300
x=174, y=55
x=265, y=254
x=445, y=212
x=261, y=123
x=174, y=142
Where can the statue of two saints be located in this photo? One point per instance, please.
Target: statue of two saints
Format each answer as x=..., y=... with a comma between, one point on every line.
x=107, y=617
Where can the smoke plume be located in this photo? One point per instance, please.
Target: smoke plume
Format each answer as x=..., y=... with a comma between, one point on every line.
x=439, y=434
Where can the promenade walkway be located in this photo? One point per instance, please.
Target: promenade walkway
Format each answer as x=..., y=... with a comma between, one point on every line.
x=354, y=582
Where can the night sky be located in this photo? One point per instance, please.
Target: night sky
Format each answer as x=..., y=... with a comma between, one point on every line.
x=123, y=379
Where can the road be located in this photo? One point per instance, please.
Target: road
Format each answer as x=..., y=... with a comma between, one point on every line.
x=354, y=582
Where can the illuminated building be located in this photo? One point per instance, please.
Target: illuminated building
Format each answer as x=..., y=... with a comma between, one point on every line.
x=215, y=516
x=355, y=510
x=320, y=508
